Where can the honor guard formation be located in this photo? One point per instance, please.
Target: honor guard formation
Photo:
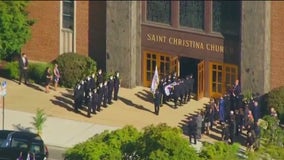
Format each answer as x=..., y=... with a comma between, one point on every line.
x=172, y=88
x=96, y=91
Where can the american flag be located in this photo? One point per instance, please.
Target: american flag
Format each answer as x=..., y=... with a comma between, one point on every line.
x=155, y=81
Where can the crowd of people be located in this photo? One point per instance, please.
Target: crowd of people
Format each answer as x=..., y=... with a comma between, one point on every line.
x=95, y=91
x=51, y=76
x=173, y=88
x=234, y=115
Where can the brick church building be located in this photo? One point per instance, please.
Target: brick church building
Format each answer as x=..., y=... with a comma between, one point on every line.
x=216, y=41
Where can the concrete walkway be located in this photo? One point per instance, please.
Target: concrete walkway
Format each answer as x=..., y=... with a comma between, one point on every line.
x=65, y=128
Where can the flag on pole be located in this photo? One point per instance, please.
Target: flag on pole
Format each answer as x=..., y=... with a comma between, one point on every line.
x=155, y=81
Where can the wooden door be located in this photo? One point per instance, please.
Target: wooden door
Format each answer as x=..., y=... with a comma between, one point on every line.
x=150, y=62
x=174, y=67
x=216, y=79
x=222, y=76
x=200, y=80
x=230, y=76
x=166, y=64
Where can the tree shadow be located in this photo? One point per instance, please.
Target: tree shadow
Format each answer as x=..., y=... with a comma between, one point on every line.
x=21, y=128
x=130, y=103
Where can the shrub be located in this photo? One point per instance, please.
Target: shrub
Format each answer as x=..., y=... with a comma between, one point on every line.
x=274, y=134
x=154, y=142
x=267, y=152
x=276, y=100
x=220, y=150
x=36, y=72
x=12, y=70
x=74, y=67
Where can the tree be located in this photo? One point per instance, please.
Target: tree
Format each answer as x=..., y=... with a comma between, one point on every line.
x=15, y=27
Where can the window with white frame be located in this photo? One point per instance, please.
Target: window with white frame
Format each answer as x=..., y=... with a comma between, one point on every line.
x=68, y=14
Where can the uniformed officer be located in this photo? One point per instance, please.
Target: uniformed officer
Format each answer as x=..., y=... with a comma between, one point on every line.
x=110, y=89
x=95, y=101
x=87, y=87
x=105, y=94
x=93, y=82
x=100, y=96
x=161, y=90
x=116, y=85
x=100, y=77
x=157, y=101
x=89, y=102
x=175, y=94
x=78, y=95
x=190, y=84
x=186, y=88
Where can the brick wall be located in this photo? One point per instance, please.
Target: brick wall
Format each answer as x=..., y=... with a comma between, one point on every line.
x=277, y=44
x=44, y=43
x=82, y=27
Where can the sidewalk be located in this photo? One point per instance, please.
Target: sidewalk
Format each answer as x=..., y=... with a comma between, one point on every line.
x=64, y=127
x=57, y=131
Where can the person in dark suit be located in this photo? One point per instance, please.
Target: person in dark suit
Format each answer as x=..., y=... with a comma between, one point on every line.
x=23, y=67
x=116, y=85
x=192, y=128
x=110, y=89
x=232, y=127
x=157, y=101
x=236, y=91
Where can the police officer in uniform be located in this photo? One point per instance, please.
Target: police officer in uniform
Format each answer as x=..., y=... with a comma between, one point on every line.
x=95, y=101
x=116, y=85
x=110, y=89
x=100, y=77
x=176, y=94
x=157, y=101
x=105, y=94
x=78, y=95
x=87, y=87
x=190, y=85
x=100, y=96
x=93, y=82
x=89, y=102
x=161, y=90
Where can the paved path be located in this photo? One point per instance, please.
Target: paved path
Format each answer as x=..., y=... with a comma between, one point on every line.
x=65, y=128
